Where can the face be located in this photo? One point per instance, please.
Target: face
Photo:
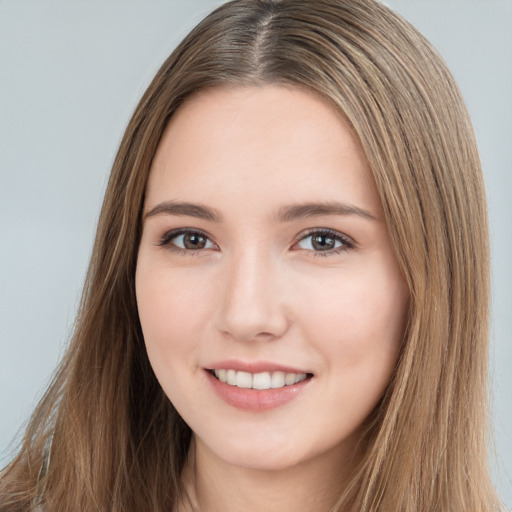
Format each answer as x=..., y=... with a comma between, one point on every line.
x=270, y=300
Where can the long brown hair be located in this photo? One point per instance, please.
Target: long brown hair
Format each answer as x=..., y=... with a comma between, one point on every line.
x=105, y=437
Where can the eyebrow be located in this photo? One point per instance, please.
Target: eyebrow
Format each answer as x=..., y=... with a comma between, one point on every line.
x=185, y=209
x=300, y=211
x=285, y=214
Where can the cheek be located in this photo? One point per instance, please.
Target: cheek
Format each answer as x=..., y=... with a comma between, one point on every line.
x=169, y=301
x=358, y=319
x=175, y=311
x=172, y=313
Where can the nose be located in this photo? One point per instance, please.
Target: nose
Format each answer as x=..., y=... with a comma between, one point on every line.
x=251, y=303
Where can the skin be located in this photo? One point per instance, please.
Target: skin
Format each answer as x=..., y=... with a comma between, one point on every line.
x=259, y=290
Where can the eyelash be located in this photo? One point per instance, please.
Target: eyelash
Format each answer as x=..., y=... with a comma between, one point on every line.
x=167, y=238
x=347, y=243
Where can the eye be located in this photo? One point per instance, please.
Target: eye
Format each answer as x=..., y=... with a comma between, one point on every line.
x=324, y=241
x=186, y=240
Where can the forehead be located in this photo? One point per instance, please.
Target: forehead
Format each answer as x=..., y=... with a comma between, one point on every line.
x=259, y=142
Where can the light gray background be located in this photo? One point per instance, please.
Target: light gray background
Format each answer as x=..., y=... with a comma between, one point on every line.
x=71, y=73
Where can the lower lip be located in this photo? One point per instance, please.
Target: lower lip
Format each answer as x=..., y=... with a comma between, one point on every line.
x=256, y=399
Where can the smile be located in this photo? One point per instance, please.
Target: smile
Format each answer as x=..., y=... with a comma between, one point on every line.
x=262, y=380
x=257, y=390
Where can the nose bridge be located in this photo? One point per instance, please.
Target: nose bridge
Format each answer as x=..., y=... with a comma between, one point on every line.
x=251, y=305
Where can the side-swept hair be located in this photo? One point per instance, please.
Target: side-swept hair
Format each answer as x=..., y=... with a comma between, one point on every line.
x=105, y=437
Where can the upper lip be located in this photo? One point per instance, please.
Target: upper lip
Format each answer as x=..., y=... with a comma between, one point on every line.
x=254, y=366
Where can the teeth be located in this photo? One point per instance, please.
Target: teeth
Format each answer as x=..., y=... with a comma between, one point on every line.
x=264, y=380
x=261, y=380
x=243, y=380
x=289, y=379
x=230, y=377
x=278, y=379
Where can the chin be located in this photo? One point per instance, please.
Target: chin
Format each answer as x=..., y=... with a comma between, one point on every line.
x=267, y=452
x=261, y=460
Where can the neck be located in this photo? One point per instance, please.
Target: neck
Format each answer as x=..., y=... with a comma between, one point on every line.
x=213, y=485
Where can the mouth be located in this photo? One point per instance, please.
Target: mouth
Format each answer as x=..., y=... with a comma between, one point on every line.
x=258, y=381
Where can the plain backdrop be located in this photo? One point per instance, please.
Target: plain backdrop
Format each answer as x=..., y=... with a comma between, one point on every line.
x=71, y=73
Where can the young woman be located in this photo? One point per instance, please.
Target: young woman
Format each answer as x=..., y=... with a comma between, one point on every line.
x=287, y=303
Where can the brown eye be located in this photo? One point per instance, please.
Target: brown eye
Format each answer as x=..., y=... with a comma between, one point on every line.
x=194, y=241
x=323, y=242
x=184, y=240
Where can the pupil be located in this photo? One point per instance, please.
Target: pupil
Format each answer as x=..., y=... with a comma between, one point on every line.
x=192, y=241
x=323, y=242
